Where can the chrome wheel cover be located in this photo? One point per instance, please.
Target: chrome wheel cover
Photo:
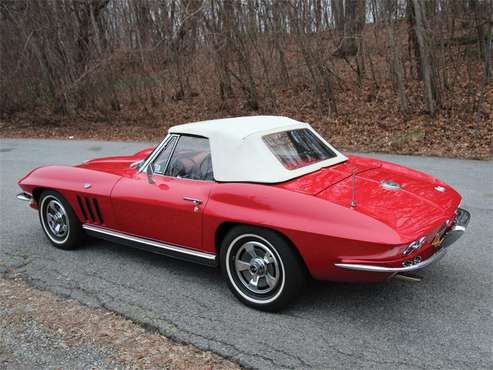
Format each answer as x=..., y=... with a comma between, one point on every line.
x=55, y=219
x=257, y=267
x=234, y=279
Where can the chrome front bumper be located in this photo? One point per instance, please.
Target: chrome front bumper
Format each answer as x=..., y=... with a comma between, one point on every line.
x=450, y=237
x=26, y=197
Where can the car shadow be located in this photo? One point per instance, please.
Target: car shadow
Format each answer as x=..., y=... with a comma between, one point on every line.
x=149, y=259
x=317, y=296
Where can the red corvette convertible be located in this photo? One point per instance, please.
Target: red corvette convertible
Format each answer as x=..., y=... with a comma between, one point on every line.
x=265, y=198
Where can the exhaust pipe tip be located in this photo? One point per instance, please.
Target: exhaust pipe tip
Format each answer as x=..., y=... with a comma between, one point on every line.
x=408, y=277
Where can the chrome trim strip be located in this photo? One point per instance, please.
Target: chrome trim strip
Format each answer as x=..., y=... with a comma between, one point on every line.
x=371, y=268
x=24, y=196
x=152, y=243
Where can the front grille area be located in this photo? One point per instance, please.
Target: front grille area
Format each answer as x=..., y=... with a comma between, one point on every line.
x=89, y=207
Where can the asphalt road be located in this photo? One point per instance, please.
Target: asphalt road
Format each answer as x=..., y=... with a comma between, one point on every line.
x=445, y=321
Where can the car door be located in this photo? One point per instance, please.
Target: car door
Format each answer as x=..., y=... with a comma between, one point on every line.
x=165, y=200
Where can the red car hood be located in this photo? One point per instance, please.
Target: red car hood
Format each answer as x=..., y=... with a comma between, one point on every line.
x=116, y=165
x=414, y=209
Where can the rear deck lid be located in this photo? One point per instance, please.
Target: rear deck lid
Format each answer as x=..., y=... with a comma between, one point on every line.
x=318, y=181
x=411, y=208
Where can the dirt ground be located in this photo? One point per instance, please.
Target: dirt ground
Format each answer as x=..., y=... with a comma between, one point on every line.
x=41, y=330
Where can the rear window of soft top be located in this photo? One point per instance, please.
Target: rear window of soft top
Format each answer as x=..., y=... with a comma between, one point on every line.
x=298, y=148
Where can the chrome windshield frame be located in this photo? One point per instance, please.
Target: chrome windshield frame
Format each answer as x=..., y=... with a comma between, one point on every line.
x=156, y=152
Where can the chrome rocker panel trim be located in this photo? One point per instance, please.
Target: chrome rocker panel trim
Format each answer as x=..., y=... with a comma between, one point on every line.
x=151, y=245
x=456, y=231
x=26, y=197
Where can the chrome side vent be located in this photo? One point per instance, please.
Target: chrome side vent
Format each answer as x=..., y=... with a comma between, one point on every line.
x=98, y=212
x=81, y=206
x=90, y=210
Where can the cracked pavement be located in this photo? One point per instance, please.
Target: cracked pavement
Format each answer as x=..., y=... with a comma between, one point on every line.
x=443, y=322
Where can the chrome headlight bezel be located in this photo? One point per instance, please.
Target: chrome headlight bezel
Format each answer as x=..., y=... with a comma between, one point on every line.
x=415, y=245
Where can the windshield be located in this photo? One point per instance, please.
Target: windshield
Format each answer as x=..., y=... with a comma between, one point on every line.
x=298, y=148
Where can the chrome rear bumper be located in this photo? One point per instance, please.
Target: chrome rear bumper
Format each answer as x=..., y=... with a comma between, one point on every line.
x=451, y=236
x=458, y=229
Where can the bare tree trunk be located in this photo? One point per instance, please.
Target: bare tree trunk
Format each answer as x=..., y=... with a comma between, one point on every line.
x=318, y=15
x=220, y=32
x=247, y=78
x=487, y=70
x=354, y=21
x=487, y=54
x=225, y=50
x=397, y=65
x=426, y=62
x=413, y=46
x=318, y=70
x=338, y=15
x=277, y=14
x=85, y=11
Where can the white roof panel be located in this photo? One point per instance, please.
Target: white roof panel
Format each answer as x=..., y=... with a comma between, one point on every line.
x=239, y=154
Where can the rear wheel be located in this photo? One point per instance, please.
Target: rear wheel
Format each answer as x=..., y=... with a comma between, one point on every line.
x=261, y=268
x=59, y=222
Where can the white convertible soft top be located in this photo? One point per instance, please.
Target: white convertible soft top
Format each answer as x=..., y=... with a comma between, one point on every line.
x=239, y=154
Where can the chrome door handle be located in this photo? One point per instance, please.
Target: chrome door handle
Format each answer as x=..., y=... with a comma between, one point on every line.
x=196, y=202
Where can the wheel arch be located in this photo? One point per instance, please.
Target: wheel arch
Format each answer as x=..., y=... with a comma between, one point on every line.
x=37, y=191
x=226, y=226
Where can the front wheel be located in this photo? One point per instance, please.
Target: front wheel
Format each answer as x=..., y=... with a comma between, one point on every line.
x=262, y=269
x=59, y=221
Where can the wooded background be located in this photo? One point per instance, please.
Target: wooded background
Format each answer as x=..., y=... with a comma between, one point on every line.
x=374, y=75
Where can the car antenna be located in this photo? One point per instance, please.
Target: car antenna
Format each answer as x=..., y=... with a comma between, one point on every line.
x=353, y=201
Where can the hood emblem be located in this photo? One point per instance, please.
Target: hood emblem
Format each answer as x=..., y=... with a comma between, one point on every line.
x=440, y=189
x=87, y=186
x=390, y=185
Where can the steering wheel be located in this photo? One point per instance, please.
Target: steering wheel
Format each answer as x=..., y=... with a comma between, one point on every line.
x=205, y=168
x=182, y=169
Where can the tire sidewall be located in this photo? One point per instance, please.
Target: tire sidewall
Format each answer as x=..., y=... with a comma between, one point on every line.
x=42, y=213
x=292, y=272
x=232, y=248
x=74, y=233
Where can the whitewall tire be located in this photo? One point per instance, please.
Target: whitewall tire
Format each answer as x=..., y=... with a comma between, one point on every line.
x=58, y=220
x=261, y=267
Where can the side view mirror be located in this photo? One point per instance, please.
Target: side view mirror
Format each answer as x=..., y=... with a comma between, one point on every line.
x=136, y=164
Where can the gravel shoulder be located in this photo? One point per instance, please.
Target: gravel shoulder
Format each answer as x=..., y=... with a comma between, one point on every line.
x=39, y=330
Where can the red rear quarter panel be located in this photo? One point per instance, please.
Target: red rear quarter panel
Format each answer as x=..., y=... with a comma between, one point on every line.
x=314, y=212
x=323, y=232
